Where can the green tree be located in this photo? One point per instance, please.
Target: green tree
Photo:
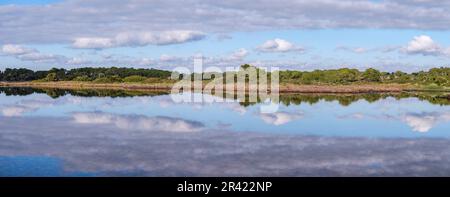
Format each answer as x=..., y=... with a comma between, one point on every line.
x=51, y=77
x=371, y=75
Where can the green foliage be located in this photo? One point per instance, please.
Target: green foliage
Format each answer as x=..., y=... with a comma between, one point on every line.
x=82, y=78
x=437, y=76
x=80, y=74
x=152, y=80
x=245, y=66
x=434, y=77
x=18, y=74
x=134, y=79
x=51, y=77
x=109, y=79
x=371, y=75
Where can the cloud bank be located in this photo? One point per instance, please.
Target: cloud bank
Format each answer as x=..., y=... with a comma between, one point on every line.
x=71, y=19
x=134, y=39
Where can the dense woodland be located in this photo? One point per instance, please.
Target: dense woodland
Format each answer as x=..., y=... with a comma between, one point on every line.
x=103, y=75
x=435, y=76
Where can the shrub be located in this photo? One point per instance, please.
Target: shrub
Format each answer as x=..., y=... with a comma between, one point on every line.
x=134, y=79
x=50, y=77
x=111, y=79
x=82, y=78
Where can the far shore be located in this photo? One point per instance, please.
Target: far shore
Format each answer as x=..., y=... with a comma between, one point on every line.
x=283, y=88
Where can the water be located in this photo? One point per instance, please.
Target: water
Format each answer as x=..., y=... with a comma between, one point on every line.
x=52, y=132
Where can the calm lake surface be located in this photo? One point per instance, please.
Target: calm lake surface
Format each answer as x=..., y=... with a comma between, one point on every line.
x=53, y=132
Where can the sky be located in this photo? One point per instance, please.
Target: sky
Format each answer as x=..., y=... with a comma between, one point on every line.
x=390, y=35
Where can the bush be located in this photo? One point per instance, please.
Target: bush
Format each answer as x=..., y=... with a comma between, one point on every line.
x=371, y=75
x=50, y=77
x=134, y=79
x=152, y=80
x=82, y=78
x=112, y=79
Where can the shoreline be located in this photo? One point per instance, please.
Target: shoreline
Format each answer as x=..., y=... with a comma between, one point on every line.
x=283, y=88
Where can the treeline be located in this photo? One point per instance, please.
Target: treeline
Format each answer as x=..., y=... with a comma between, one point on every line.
x=434, y=76
x=105, y=75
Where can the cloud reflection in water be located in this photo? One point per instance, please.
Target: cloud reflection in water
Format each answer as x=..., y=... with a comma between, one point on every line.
x=138, y=122
x=104, y=149
x=423, y=122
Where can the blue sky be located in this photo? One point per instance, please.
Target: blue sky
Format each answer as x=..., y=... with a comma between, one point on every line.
x=304, y=35
x=27, y=2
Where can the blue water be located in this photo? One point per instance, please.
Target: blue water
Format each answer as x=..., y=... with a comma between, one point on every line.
x=387, y=117
x=152, y=135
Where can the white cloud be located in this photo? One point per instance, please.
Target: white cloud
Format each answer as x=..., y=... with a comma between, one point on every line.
x=280, y=118
x=28, y=54
x=11, y=49
x=352, y=116
x=12, y=111
x=66, y=20
x=423, y=45
x=25, y=106
x=145, y=61
x=352, y=49
x=168, y=58
x=139, y=123
x=278, y=45
x=78, y=61
x=40, y=57
x=134, y=39
x=426, y=121
x=240, y=54
x=92, y=43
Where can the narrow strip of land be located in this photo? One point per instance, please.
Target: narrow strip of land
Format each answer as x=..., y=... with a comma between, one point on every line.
x=283, y=88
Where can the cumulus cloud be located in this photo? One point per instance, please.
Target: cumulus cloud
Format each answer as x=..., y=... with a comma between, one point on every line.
x=424, y=122
x=280, y=118
x=424, y=45
x=29, y=54
x=12, y=49
x=134, y=39
x=93, y=43
x=139, y=123
x=24, y=106
x=278, y=45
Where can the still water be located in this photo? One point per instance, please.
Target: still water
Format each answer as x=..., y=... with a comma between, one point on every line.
x=53, y=132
